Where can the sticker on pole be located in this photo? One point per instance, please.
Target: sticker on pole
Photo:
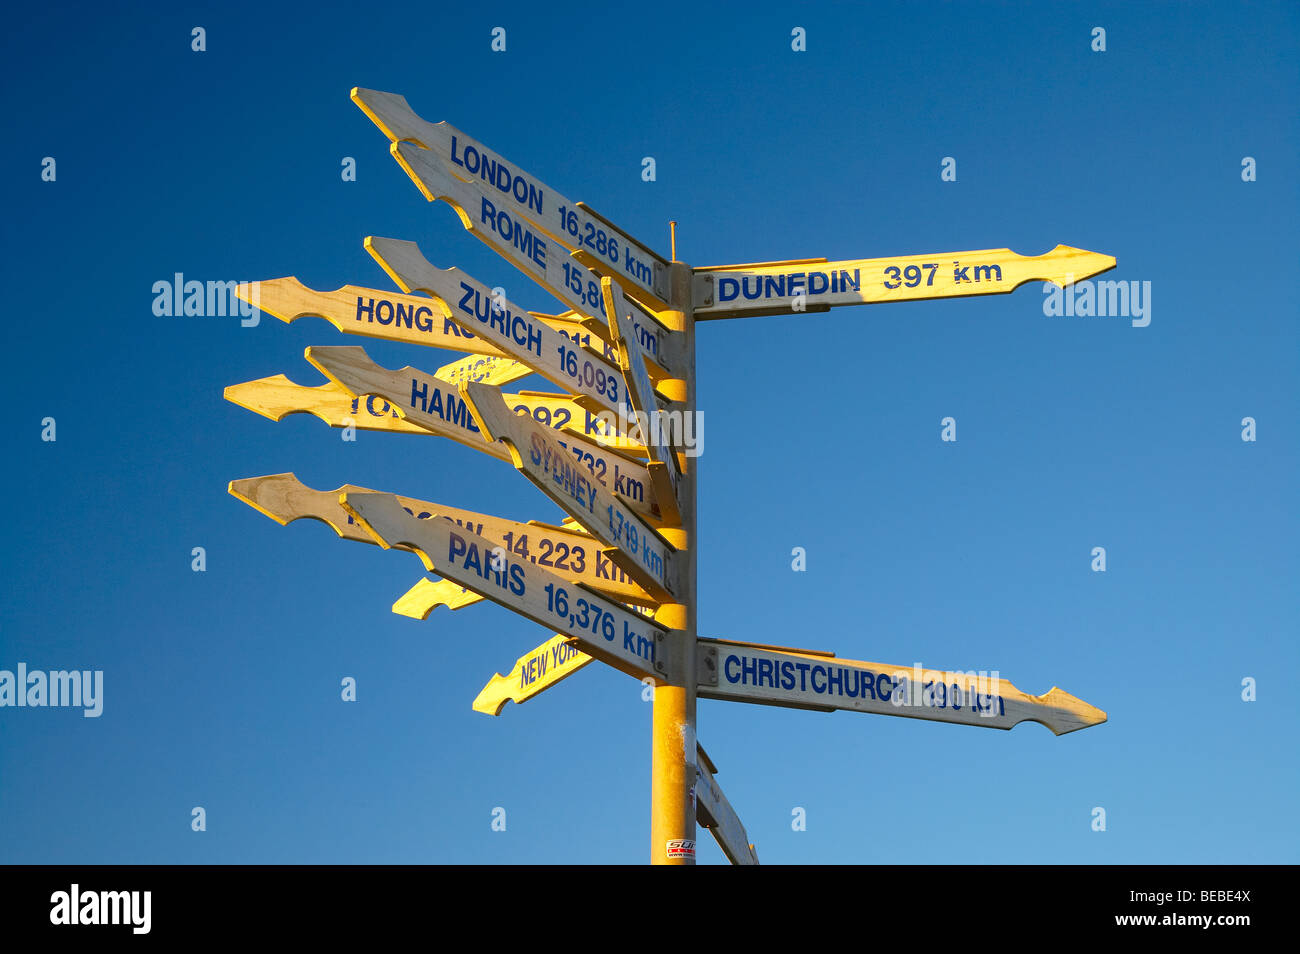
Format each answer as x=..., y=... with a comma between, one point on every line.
x=681, y=848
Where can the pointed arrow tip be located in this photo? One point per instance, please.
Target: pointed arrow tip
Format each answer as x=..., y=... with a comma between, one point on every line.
x=1077, y=264
x=1072, y=713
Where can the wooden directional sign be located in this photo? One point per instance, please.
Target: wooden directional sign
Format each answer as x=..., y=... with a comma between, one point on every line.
x=562, y=413
x=603, y=629
x=550, y=663
x=277, y=397
x=483, y=369
x=600, y=580
x=420, y=398
x=427, y=595
x=412, y=319
x=366, y=311
x=429, y=402
x=716, y=814
x=472, y=306
x=800, y=679
x=778, y=288
x=572, y=224
x=519, y=243
x=622, y=326
x=574, y=556
x=536, y=454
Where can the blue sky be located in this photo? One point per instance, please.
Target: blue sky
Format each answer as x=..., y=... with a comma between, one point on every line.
x=821, y=431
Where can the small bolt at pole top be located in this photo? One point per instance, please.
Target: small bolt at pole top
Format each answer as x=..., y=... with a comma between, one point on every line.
x=672, y=228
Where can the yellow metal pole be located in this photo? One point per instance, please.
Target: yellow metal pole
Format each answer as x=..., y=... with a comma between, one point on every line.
x=672, y=770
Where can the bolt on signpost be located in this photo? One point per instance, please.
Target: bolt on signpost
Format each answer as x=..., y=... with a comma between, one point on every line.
x=616, y=581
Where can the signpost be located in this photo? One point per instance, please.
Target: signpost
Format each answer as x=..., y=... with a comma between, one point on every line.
x=545, y=461
x=575, y=556
x=617, y=581
x=374, y=313
x=474, y=307
x=569, y=223
x=716, y=814
x=601, y=627
x=519, y=242
x=777, y=288
x=769, y=675
x=277, y=397
x=555, y=660
x=431, y=403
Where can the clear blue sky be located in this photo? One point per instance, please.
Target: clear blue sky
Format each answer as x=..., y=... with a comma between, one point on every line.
x=822, y=431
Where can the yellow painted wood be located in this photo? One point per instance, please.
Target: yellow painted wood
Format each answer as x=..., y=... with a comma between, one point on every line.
x=536, y=453
x=769, y=288
x=412, y=393
x=370, y=312
x=427, y=595
x=470, y=304
x=484, y=369
x=573, y=225
x=673, y=735
x=603, y=628
x=577, y=286
x=744, y=672
x=623, y=331
x=560, y=412
x=419, y=397
x=663, y=467
x=715, y=813
x=576, y=557
x=549, y=664
x=277, y=397
x=388, y=315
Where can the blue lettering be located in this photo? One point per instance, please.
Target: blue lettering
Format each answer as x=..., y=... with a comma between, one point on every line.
x=419, y=392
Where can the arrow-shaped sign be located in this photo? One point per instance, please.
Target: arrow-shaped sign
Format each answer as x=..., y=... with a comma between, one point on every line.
x=414, y=319
x=653, y=425
x=484, y=369
x=427, y=595
x=276, y=397
x=536, y=454
x=576, y=557
x=744, y=672
x=420, y=398
x=632, y=360
x=550, y=663
x=560, y=412
x=518, y=242
x=429, y=402
x=370, y=312
x=515, y=332
x=572, y=224
x=604, y=629
x=778, y=288
x=715, y=813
